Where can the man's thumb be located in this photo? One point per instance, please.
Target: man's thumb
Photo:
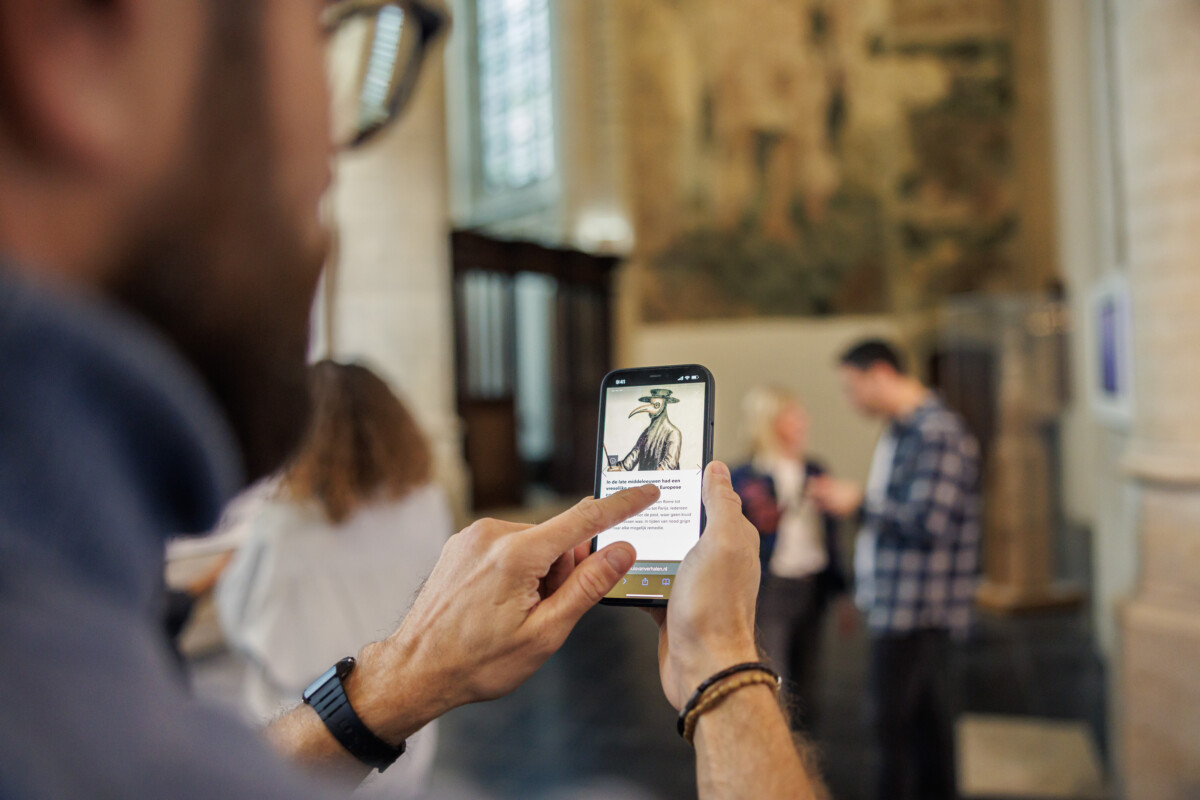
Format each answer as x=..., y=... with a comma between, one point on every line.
x=720, y=500
x=593, y=578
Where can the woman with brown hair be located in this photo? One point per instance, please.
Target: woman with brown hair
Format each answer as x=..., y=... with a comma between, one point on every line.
x=341, y=541
x=361, y=444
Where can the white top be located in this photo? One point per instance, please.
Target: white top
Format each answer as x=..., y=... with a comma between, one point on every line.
x=874, y=499
x=302, y=593
x=800, y=550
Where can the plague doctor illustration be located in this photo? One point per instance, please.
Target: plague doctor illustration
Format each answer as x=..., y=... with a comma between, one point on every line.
x=659, y=444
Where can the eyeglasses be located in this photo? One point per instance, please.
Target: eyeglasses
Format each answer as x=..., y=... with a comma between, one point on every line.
x=375, y=54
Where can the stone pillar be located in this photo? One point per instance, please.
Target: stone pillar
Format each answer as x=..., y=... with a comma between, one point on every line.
x=391, y=301
x=1157, y=50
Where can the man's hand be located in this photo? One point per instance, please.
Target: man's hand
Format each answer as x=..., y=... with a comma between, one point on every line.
x=501, y=599
x=744, y=749
x=837, y=497
x=708, y=624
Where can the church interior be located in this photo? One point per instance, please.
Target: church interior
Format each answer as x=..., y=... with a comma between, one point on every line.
x=1008, y=189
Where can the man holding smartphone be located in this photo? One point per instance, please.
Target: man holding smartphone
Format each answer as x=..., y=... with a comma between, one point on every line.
x=162, y=167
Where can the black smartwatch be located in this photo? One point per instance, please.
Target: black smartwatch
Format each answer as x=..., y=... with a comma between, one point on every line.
x=328, y=698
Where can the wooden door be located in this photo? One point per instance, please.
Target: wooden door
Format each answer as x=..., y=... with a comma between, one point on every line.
x=486, y=272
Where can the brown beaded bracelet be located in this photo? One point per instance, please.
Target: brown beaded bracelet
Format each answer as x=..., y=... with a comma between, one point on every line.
x=693, y=702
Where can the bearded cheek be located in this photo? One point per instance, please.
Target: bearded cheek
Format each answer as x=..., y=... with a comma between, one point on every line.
x=298, y=105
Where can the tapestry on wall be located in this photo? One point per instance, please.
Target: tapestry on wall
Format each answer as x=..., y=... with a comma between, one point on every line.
x=810, y=158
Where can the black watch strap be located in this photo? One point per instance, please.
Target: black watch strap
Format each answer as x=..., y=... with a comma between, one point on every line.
x=328, y=698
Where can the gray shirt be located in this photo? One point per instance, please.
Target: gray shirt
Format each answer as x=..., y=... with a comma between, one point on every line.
x=108, y=443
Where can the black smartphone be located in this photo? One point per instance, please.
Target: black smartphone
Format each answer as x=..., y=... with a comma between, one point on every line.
x=656, y=426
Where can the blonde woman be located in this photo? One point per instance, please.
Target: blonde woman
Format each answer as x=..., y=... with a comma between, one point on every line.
x=802, y=573
x=335, y=551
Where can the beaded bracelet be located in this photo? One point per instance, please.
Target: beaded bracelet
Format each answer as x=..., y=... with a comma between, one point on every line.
x=764, y=674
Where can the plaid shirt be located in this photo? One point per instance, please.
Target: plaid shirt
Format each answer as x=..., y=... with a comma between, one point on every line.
x=925, y=531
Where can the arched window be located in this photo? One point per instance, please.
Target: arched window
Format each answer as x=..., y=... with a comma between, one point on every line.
x=515, y=93
x=503, y=117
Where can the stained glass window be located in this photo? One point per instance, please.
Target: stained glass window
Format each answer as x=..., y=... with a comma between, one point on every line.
x=516, y=98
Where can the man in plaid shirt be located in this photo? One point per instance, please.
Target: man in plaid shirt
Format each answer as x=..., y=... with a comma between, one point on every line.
x=916, y=562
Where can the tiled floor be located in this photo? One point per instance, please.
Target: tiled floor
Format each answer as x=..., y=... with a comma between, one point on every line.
x=1010, y=756
x=595, y=712
x=593, y=724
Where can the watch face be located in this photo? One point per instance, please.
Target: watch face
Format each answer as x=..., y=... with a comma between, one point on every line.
x=319, y=682
x=339, y=670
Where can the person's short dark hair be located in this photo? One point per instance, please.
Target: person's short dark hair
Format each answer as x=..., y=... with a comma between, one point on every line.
x=870, y=352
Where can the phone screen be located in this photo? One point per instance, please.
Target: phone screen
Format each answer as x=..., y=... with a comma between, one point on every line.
x=655, y=430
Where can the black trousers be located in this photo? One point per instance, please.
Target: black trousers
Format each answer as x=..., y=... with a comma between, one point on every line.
x=911, y=700
x=789, y=629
